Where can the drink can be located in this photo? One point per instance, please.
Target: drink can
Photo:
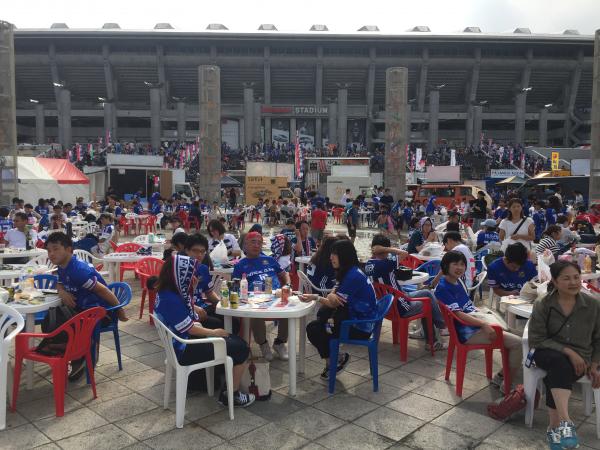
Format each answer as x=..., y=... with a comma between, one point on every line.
x=285, y=295
x=268, y=285
x=234, y=299
x=224, y=296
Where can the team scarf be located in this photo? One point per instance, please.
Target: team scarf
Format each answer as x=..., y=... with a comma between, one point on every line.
x=277, y=245
x=184, y=274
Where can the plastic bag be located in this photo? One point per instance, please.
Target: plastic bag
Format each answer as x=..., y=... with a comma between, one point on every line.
x=544, y=260
x=219, y=253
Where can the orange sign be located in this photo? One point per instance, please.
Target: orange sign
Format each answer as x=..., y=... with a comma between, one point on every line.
x=555, y=160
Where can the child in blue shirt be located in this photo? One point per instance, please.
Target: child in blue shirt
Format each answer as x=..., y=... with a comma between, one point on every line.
x=539, y=219
x=5, y=223
x=507, y=275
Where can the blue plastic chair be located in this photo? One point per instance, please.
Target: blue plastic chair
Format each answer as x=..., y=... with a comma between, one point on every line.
x=383, y=306
x=43, y=281
x=430, y=267
x=123, y=293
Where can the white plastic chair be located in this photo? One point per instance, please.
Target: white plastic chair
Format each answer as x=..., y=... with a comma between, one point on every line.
x=11, y=324
x=307, y=287
x=90, y=259
x=141, y=239
x=182, y=372
x=479, y=279
x=41, y=260
x=159, y=216
x=532, y=380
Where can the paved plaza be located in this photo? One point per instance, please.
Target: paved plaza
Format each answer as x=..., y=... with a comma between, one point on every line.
x=414, y=408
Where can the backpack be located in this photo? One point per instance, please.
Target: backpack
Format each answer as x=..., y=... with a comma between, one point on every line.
x=509, y=405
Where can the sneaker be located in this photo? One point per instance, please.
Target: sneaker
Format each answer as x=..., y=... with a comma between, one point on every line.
x=77, y=369
x=553, y=437
x=281, y=351
x=417, y=334
x=498, y=380
x=437, y=346
x=444, y=332
x=568, y=435
x=266, y=351
x=240, y=399
x=325, y=373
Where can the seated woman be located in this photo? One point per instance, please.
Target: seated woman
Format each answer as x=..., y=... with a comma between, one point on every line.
x=216, y=230
x=174, y=306
x=452, y=293
x=381, y=268
x=320, y=272
x=549, y=242
x=352, y=298
x=564, y=333
x=423, y=234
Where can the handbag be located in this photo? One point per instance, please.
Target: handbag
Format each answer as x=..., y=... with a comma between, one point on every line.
x=257, y=379
x=55, y=318
x=512, y=403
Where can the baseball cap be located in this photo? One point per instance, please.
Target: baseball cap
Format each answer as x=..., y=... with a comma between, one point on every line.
x=489, y=223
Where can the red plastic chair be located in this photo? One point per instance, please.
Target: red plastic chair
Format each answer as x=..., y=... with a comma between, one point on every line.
x=113, y=245
x=145, y=268
x=337, y=214
x=127, y=247
x=123, y=225
x=462, y=350
x=399, y=323
x=411, y=262
x=79, y=330
x=149, y=224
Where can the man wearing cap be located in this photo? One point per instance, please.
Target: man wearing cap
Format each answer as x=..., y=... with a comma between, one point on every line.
x=453, y=217
x=488, y=234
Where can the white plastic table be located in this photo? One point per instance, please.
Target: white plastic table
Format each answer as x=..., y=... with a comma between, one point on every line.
x=514, y=311
x=427, y=258
x=113, y=262
x=417, y=278
x=14, y=253
x=295, y=313
x=29, y=312
x=7, y=277
x=224, y=272
x=302, y=261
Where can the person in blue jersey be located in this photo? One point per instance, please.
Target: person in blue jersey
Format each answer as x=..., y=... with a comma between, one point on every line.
x=69, y=211
x=289, y=230
x=353, y=298
x=431, y=205
x=80, y=286
x=539, y=219
x=43, y=209
x=501, y=212
x=488, y=234
x=5, y=223
x=381, y=268
x=507, y=275
x=257, y=267
x=174, y=306
x=281, y=251
x=136, y=207
x=80, y=206
x=553, y=210
x=407, y=214
x=153, y=199
x=320, y=272
x=157, y=207
x=107, y=232
x=451, y=292
x=422, y=234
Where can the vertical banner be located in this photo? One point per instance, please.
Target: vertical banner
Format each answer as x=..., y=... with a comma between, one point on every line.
x=523, y=160
x=452, y=156
x=511, y=155
x=306, y=133
x=356, y=132
x=280, y=131
x=297, y=154
x=555, y=160
x=418, y=158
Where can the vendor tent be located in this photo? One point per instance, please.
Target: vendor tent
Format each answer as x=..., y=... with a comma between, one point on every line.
x=512, y=180
x=51, y=178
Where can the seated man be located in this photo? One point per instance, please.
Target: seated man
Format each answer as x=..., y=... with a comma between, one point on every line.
x=488, y=234
x=507, y=275
x=79, y=286
x=381, y=268
x=257, y=267
x=21, y=236
x=107, y=232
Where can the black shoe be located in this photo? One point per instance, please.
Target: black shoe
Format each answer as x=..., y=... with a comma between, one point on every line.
x=341, y=366
x=240, y=399
x=77, y=369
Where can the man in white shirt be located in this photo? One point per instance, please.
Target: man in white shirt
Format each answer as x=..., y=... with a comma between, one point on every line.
x=453, y=241
x=20, y=236
x=345, y=197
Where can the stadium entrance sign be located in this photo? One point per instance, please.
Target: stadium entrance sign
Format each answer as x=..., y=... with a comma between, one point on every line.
x=505, y=173
x=297, y=110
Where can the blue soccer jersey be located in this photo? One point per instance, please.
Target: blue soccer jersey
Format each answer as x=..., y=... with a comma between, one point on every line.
x=321, y=277
x=204, y=285
x=80, y=279
x=257, y=269
x=455, y=297
x=383, y=271
x=357, y=290
x=5, y=225
x=485, y=237
x=174, y=313
x=500, y=276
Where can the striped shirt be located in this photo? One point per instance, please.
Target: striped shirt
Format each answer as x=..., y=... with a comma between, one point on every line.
x=230, y=242
x=547, y=243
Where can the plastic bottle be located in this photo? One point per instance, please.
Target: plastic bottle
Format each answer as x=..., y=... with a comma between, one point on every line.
x=244, y=288
x=224, y=295
x=587, y=264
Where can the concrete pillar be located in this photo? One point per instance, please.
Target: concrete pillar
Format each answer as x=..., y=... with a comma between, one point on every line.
x=595, y=155
x=333, y=123
x=242, y=132
x=318, y=132
x=181, y=121
x=8, y=115
x=257, y=123
x=155, y=118
x=370, y=104
x=396, y=130
x=543, y=128
x=64, y=119
x=342, y=120
x=40, y=124
x=109, y=121
x=434, y=112
x=469, y=127
x=520, y=105
x=268, y=137
x=209, y=99
x=292, y=131
x=248, y=117
x=477, y=124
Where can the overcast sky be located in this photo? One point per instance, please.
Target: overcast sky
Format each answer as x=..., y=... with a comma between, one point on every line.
x=541, y=16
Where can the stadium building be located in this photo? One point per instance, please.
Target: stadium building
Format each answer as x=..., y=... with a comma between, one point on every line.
x=76, y=85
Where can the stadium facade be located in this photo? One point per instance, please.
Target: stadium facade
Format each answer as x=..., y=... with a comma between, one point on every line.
x=76, y=85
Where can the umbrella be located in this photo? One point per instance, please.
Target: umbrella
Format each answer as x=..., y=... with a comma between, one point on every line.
x=512, y=180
